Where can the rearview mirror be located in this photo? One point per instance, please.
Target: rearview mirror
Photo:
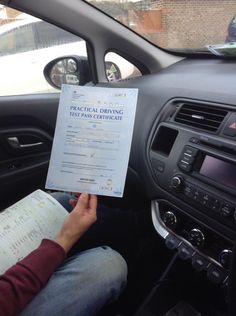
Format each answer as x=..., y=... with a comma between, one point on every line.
x=72, y=70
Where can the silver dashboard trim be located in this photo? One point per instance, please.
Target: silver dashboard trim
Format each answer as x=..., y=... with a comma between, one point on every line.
x=157, y=221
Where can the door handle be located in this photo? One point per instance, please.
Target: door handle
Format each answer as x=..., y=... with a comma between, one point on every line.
x=15, y=143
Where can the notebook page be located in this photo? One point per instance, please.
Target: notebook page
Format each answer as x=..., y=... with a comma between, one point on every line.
x=24, y=225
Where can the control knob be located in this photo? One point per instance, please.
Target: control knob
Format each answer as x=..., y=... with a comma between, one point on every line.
x=196, y=237
x=170, y=219
x=177, y=182
x=225, y=258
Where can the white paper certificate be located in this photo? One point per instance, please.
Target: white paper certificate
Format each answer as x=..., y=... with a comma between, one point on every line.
x=92, y=140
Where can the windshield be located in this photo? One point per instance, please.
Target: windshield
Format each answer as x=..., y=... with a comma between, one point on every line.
x=181, y=25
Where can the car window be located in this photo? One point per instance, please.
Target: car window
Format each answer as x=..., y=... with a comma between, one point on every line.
x=183, y=26
x=118, y=68
x=27, y=45
x=18, y=40
x=50, y=35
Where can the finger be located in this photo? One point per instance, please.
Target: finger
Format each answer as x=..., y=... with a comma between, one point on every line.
x=93, y=201
x=84, y=199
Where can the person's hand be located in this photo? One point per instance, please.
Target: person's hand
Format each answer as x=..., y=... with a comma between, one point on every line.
x=78, y=221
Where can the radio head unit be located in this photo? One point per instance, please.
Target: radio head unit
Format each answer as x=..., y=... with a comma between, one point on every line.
x=197, y=168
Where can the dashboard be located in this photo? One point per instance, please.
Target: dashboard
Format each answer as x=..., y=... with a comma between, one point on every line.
x=184, y=154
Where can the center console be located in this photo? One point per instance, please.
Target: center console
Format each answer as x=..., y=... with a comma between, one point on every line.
x=192, y=156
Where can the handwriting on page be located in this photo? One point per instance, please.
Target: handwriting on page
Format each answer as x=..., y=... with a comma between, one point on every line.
x=25, y=224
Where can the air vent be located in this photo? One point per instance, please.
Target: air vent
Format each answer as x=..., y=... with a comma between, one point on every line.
x=201, y=116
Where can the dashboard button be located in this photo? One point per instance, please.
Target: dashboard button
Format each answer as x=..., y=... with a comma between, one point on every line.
x=158, y=165
x=186, y=158
x=199, y=262
x=215, y=204
x=207, y=200
x=184, y=166
x=185, y=251
x=196, y=237
x=216, y=274
x=169, y=219
x=172, y=242
x=177, y=182
x=226, y=209
x=198, y=196
x=194, y=140
x=188, y=190
x=188, y=150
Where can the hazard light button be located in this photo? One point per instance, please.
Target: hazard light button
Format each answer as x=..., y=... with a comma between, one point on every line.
x=230, y=128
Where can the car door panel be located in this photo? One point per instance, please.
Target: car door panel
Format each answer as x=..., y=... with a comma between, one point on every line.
x=26, y=132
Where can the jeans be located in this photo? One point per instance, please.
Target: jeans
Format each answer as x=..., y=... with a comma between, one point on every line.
x=83, y=284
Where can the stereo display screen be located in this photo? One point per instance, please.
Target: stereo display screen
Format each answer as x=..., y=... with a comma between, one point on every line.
x=219, y=171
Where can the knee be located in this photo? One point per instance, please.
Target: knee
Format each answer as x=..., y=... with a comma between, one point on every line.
x=113, y=271
x=115, y=264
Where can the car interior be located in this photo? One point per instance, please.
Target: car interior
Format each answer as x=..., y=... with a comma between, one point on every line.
x=181, y=179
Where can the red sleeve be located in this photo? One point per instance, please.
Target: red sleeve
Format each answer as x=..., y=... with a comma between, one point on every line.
x=24, y=280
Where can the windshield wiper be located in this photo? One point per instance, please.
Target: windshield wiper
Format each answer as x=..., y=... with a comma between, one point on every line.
x=227, y=49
